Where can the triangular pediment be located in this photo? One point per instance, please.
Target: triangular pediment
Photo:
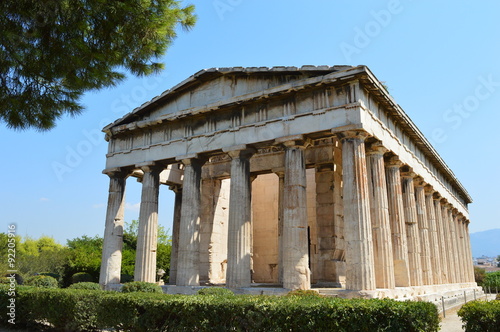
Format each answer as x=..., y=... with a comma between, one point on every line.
x=214, y=85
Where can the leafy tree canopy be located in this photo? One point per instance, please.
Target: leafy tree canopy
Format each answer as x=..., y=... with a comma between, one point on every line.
x=52, y=51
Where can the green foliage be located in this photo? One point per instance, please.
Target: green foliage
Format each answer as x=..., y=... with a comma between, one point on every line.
x=84, y=256
x=51, y=52
x=215, y=291
x=81, y=310
x=141, y=286
x=41, y=281
x=301, y=292
x=481, y=316
x=85, y=285
x=50, y=274
x=163, y=250
x=479, y=275
x=81, y=277
x=491, y=282
x=126, y=278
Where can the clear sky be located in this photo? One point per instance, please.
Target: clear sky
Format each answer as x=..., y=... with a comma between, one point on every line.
x=440, y=60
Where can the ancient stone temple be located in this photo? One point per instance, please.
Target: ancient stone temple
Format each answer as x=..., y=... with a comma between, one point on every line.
x=289, y=178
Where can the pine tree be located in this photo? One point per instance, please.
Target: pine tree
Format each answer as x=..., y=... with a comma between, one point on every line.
x=53, y=51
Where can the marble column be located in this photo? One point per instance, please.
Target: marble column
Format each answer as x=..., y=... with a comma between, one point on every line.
x=360, y=273
x=443, y=251
x=239, y=246
x=412, y=231
x=454, y=247
x=448, y=243
x=281, y=191
x=460, y=247
x=397, y=220
x=145, y=258
x=470, y=266
x=188, y=260
x=296, y=273
x=177, y=189
x=113, y=231
x=434, y=237
x=423, y=227
x=379, y=212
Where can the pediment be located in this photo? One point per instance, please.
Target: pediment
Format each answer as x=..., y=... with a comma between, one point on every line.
x=214, y=85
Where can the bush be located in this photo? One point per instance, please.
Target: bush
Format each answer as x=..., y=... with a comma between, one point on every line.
x=81, y=277
x=81, y=310
x=50, y=274
x=86, y=285
x=481, y=316
x=141, y=286
x=215, y=291
x=41, y=281
x=17, y=276
x=301, y=292
x=491, y=282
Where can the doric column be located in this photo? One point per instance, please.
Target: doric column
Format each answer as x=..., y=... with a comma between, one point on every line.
x=396, y=217
x=113, y=231
x=460, y=247
x=448, y=243
x=379, y=210
x=443, y=251
x=434, y=237
x=176, y=223
x=296, y=273
x=412, y=232
x=281, y=190
x=469, y=265
x=360, y=274
x=239, y=246
x=454, y=247
x=189, y=232
x=423, y=227
x=145, y=257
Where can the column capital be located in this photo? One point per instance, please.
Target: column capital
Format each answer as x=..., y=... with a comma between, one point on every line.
x=393, y=161
x=299, y=141
x=407, y=172
x=376, y=148
x=150, y=166
x=117, y=172
x=429, y=190
x=419, y=182
x=353, y=134
x=192, y=159
x=240, y=151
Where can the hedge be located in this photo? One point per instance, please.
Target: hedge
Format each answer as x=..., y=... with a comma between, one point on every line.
x=481, y=316
x=81, y=310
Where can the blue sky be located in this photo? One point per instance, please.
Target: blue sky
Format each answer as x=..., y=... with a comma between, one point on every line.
x=440, y=61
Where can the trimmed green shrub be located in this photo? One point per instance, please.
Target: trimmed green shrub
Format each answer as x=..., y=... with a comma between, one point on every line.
x=301, y=292
x=81, y=277
x=50, y=274
x=17, y=276
x=481, y=316
x=215, y=291
x=81, y=310
x=86, y=285
x=141, y=286
x=41, y=281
